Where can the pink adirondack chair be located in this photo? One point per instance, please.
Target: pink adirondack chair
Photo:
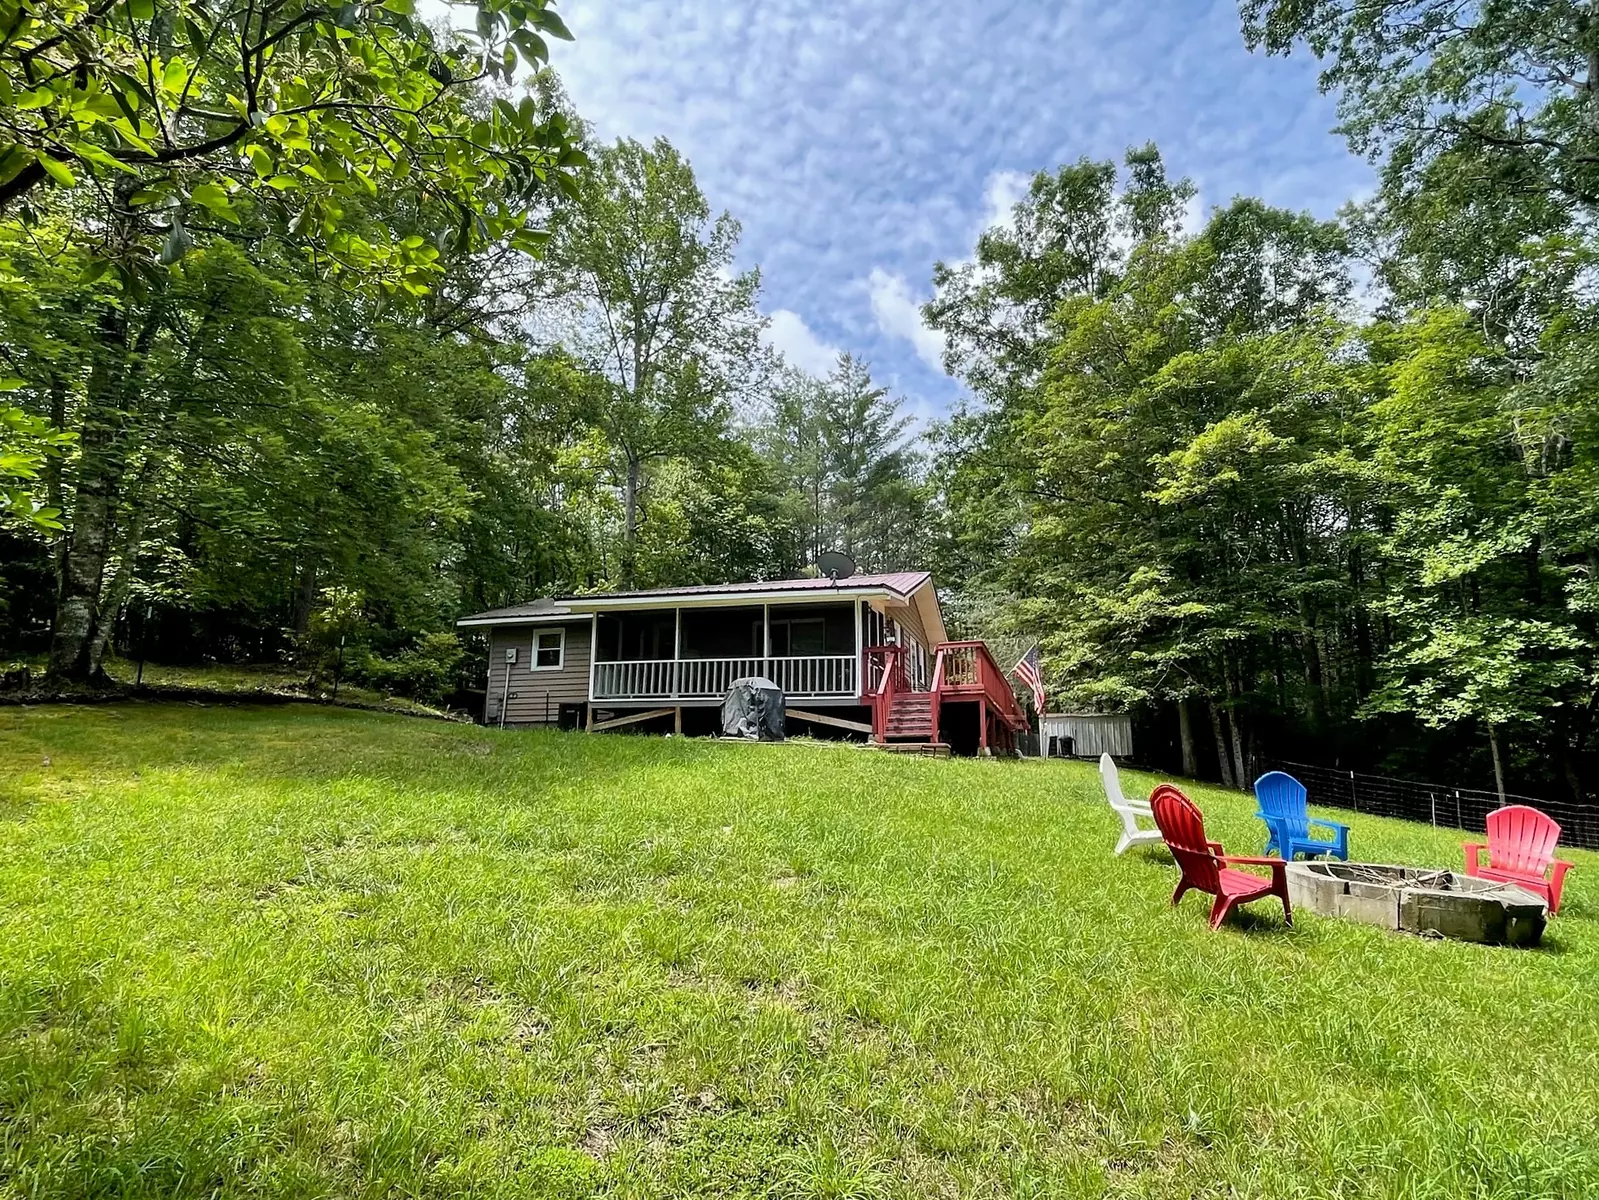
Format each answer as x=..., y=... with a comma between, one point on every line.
x=1521, y=850
x=1205, y=866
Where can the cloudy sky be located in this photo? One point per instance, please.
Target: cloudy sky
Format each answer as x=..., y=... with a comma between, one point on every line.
x=859, y=141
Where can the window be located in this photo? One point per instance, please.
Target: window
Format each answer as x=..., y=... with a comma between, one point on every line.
x=549, y=650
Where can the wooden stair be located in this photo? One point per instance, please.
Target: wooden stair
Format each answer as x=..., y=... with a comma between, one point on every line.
x=910, y=716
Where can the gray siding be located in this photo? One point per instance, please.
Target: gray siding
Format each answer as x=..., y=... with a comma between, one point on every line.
x=537, y=696
x=1092, y=734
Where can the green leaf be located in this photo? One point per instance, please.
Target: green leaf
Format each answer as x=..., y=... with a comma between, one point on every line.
x=175, y=76
x=403, y=7
x=57, y=170
x=11, y=383
x=89, y=152
x=141, y=10
x=215, y=199
x=553, y=25
x=38, y=98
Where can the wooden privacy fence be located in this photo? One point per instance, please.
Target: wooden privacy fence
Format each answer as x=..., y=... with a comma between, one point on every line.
x=1445, y=807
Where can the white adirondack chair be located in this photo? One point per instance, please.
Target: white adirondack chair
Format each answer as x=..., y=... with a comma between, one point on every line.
x=1128, y=810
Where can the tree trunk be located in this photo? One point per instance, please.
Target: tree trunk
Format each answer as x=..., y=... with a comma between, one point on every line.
x=127, y=554
x=1185, y=730
x=1222, y=757
x=100, y=467
x=1499, y=770
x=111, y=395
x=1241, y=764
x=630, y=522
x=305, y=599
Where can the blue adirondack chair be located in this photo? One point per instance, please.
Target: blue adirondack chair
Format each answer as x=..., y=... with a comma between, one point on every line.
x=1282, y=806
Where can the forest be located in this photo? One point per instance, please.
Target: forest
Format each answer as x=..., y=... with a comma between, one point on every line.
x=320, y=327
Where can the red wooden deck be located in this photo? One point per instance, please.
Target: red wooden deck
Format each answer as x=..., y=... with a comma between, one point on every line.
x=963, y=673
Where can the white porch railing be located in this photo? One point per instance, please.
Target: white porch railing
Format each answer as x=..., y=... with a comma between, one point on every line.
x=828, y=676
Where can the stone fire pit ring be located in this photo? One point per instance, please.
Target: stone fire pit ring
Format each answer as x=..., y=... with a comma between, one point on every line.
x=1419, y=900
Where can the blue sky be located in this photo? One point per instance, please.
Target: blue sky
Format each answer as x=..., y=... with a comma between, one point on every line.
x=858, y=141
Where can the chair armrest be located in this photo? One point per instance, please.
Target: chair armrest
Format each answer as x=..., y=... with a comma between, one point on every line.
x=1472, y=850
x=1335, y=826
x=1215, y=848
x=1278, y=866
x=1557, y=879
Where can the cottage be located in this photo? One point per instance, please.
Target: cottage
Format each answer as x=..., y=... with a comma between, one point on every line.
x=865, y=654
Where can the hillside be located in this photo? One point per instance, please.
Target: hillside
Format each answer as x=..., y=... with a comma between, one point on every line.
x=291, y=951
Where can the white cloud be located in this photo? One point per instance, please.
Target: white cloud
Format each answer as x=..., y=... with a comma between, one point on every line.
x=791, y=337
x=852, y=134
x=899, y=314
x=1003, y=191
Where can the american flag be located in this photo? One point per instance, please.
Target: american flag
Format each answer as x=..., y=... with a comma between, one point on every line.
x=1031, y=672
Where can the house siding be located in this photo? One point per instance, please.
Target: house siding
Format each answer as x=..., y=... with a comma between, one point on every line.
x=536, y=696
x=1092, y=734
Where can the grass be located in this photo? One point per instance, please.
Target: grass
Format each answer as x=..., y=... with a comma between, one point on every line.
x=242, y=680
x=317, y=952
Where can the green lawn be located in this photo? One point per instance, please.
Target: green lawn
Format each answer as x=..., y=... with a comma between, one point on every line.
x=245, y=681
x=299, y=951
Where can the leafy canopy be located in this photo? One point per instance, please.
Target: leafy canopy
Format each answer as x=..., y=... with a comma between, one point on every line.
x=175, y=113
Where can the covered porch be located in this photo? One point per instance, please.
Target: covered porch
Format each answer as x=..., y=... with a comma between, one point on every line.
x=691, y=655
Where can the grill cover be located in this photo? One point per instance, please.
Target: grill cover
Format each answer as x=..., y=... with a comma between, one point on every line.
x=753, y=709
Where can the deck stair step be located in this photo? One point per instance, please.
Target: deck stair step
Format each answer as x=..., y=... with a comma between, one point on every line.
x=911, y=716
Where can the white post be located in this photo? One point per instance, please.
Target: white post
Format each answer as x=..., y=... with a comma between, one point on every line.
x=860, y=650
x=677, y=656
x=594, y=650
x=766, y=640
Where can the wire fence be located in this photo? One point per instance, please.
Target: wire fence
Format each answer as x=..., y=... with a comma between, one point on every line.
x=1452, y=808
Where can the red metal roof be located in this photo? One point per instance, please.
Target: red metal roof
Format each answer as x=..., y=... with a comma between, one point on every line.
x=901, y=582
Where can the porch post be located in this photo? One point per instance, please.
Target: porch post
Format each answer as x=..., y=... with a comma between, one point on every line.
x=677, y=661
x=766, y=640
x=594, y=650
x=860, y=652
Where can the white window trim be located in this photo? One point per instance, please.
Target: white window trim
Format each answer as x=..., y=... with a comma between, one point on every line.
x=533, y=659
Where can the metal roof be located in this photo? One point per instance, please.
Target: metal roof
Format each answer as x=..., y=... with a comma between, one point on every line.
x=902, y=583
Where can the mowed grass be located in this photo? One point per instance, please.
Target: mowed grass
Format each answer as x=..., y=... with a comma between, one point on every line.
x=312, y=952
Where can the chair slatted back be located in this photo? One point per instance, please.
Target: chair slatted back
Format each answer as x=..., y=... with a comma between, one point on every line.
x=1111, y=778
x=1183, y=828
x=1282, y=798
x=1521, y=839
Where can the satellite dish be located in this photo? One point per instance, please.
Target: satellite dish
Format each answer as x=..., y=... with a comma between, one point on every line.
x=835, y=564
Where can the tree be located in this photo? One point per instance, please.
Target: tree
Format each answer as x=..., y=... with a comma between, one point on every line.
x=1509, y=90
x=843, y=450
x=670, y=331
x=161, y=127
x=177, y=113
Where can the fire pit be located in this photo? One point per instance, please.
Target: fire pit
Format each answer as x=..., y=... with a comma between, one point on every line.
x=1419, y=900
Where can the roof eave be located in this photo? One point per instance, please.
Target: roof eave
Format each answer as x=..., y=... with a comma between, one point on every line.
x=732, y=599
x=483, y=620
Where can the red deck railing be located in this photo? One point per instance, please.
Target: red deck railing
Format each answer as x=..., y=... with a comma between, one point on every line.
x=967, y=671
x=883, y=679
x=962, y=671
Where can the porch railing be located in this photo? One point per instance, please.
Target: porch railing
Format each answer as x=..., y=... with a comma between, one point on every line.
x=829, y=676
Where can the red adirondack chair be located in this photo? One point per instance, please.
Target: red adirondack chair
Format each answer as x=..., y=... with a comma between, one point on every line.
x=1521, y=850
x=1205, y=866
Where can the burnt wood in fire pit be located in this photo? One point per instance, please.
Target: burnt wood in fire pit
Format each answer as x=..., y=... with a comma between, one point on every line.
x=1419, y=900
